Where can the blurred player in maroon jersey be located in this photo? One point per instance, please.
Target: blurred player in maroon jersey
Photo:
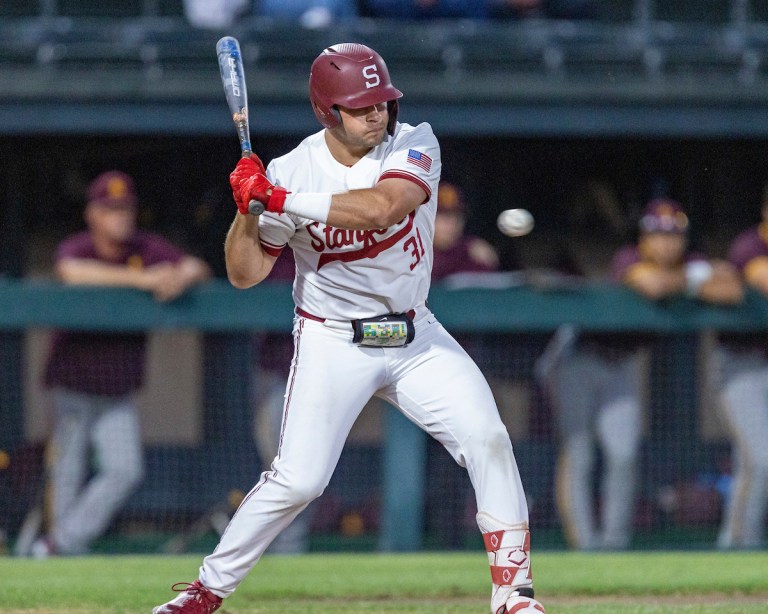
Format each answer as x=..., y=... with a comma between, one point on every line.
x=455, y=251
x=744, y=372
x=95, y=375
x=597, y=379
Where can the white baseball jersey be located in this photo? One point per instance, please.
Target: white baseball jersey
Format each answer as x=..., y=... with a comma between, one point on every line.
x=347, y=274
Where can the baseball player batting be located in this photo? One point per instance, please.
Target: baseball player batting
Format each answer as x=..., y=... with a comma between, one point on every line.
x=356, y=203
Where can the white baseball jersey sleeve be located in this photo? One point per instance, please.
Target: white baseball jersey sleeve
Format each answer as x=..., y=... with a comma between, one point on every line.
x=347, y=274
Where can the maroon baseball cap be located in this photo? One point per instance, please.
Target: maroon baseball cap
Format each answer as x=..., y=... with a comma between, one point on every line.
x=664, y=215
x=113, y=189
x=449, y=198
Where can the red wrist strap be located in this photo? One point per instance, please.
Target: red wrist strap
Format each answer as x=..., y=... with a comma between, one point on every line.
x=277, y=199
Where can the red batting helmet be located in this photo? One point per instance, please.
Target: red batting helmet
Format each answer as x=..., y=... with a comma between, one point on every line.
x=354, y=76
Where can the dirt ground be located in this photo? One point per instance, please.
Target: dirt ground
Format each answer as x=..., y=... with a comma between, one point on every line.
x=662, y=600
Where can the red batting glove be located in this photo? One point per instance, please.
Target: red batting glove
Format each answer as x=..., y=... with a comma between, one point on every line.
x=246, y=168
x=258, y=187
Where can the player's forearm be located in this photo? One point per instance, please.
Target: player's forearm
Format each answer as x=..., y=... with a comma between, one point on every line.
x=366, y=209
x=658, y=284
x=94, y=273
x=756, y=274
x=247, y=263
x=380, y=206
x=722, y=293
x=724, y=287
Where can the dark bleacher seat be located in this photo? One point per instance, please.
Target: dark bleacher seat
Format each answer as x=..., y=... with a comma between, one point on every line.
x=758, y=10
x=166, y=8
x=616, y=11
x=19, y=8
x=413, y=47
x=600, y=51
x=100, y=8
x=493, y=49
x=16, y=53
x=282, y=46
x=181, y=48
x=713, y=12
x=706, y=53
x=88, y=43
x=756, y=34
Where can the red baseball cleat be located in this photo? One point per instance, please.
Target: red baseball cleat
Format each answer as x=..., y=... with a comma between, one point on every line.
x=194, y=599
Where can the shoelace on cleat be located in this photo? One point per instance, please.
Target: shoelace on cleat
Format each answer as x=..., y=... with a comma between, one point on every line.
x=193, y=588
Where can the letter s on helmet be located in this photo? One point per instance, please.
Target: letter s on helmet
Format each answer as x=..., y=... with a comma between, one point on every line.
x=354, y=76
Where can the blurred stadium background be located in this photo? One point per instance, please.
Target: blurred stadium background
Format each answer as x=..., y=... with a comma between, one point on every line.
x=578, y=121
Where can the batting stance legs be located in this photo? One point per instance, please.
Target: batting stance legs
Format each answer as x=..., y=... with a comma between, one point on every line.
x=323, y=402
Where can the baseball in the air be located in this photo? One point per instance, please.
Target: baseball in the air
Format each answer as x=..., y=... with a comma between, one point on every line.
x=515, y=222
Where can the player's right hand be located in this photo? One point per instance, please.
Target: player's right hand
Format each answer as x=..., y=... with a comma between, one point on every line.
x=245, y=169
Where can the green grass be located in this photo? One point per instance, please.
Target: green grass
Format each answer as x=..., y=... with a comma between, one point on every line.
x=566, y=582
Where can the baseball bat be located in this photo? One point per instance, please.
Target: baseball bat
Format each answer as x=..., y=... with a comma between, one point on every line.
x=233, y=80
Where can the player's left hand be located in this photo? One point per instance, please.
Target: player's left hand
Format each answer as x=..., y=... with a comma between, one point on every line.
x=246, y=168
x=258, y=187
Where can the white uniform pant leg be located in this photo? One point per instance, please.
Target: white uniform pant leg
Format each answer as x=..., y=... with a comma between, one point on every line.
x=574, y=389
x=294, y=539
x=330, y=381
x=619, y=430
x=438, y=386
x=68, y=457
x=598, y=398
x=745, y=405
x=113, y=431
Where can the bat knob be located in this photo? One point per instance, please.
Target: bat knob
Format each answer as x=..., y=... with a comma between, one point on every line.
x=255, y=207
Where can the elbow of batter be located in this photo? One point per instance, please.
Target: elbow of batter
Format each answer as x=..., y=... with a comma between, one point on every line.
x=241, y=283
x=243, y=279
x=386, y=214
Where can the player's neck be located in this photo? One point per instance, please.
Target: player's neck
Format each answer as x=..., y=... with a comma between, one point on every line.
x=107, y=248
x=343, y=152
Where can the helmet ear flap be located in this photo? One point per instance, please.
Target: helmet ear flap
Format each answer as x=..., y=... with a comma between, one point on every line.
x=393, y=106
x=336, y=114
x=327, y=116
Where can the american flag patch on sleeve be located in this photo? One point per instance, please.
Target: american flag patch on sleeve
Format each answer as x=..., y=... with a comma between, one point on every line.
x=421, y=160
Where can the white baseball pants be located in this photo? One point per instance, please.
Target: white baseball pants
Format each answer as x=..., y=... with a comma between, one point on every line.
x=745, y=409
x=598, y=403
x=103, y=428
x=432, y=381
